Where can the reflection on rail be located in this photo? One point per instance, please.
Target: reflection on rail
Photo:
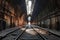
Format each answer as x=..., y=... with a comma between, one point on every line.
x=44, y=38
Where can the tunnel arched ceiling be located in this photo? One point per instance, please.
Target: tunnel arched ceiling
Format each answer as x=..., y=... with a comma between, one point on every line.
x=40, y=5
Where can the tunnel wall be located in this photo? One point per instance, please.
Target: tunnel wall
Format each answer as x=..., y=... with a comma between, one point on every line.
x=7, y=15
x=51, y=21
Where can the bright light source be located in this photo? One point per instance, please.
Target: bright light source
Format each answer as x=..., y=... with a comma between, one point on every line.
x=29, y=18
x=29, y=24
x=29, y=5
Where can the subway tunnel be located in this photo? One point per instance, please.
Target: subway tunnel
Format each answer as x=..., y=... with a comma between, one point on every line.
x=30, y=19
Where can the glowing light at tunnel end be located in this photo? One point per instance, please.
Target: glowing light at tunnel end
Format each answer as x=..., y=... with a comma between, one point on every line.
x=29, y=7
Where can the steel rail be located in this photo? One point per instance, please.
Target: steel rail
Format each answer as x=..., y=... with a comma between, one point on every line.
x=20, y=34
x=8, y=33
x=44, y=38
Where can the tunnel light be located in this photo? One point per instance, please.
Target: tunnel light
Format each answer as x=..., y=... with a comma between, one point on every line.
x=29, y=18
x=29, y=7
x=29, y=3
x=29, y=24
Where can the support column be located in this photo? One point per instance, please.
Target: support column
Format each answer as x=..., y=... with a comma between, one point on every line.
x=10, y=21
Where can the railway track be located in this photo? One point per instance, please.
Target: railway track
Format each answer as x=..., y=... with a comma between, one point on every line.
x=14, y=35
x=26, y=34
x=43, y=38
x=23, y=35
x=49, y=35
x=4, y=33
